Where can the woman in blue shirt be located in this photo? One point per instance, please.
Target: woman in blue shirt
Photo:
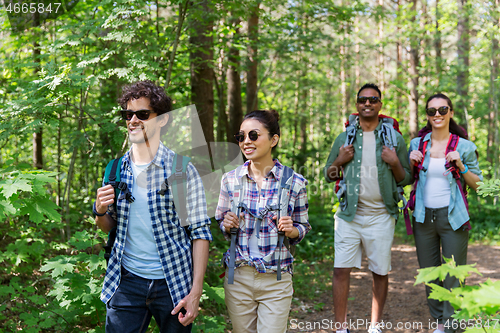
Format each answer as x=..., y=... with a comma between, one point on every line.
x=440, y=219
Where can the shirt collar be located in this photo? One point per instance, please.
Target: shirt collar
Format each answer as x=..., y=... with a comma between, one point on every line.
x=276, y=170
x=159, y=159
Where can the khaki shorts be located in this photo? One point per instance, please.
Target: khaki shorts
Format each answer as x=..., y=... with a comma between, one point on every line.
x=373, y=234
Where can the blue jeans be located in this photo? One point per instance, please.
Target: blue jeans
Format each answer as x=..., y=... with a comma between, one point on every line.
x=136, y=300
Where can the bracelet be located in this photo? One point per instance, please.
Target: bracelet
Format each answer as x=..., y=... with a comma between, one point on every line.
x=466, y=169
x=95, y=211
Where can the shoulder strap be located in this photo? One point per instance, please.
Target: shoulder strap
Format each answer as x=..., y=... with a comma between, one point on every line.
x=112, y=176
x=178, y=183
x=351, y=128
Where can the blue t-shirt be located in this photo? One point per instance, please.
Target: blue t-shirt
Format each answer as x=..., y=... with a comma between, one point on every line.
x=140, y=255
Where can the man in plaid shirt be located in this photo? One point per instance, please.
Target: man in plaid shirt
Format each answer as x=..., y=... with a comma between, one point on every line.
x=152, y=270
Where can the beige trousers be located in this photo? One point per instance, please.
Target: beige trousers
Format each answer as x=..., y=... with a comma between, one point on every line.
x=257, y=302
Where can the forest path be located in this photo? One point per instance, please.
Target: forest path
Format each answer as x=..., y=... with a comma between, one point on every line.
x=406, y=307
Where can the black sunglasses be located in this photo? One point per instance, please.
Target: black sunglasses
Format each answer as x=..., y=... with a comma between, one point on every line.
x=252, y=135
x=372, y=99
x=140, y=114
x=442, y=111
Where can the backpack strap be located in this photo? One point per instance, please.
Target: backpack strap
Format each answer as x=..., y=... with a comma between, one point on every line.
x=283, y=199
x=422, y=147
x=236, y=205
x=113, y=178
x=178, y=183
x=452, y=167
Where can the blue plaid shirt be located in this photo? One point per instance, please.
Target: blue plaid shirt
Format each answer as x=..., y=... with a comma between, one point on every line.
x=457, y=212
x=172, y=241
x=256, y=201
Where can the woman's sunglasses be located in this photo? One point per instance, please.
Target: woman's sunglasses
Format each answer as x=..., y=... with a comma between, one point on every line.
x=442, y=111
x=140, y=114
x=252, y=135
x=372, y=99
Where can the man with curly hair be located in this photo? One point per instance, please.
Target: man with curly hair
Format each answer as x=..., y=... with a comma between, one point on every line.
x=156, y=267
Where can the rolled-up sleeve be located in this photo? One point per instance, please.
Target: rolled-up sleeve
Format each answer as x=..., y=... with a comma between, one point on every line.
x=403, y=158
x=223, y=206
x=470, y=159
x=300, y=214
x=196, y=204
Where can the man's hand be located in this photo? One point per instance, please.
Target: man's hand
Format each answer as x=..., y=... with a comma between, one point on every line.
x=191, y=304
x=346, y=154
x=389, y=156
x=105, y=197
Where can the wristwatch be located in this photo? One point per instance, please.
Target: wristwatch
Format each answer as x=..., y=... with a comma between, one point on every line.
x=95, y=211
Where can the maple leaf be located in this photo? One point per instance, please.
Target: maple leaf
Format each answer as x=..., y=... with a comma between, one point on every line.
x=58, y=265
x=10, y=186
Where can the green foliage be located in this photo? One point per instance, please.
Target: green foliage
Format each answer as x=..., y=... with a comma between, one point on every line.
x=478, y=306
x=490, y=187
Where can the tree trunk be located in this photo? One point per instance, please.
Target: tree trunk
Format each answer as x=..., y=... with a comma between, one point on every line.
x=380, y=58
x=201, y=56
x=399, y=64
x=38, y=135
x=356, y=50
x=223, y=132
x=493, y=137
x=463, y=47
x=234, y=82
x=414, y=45
x=252, y=75
x=344, y=70
x=438, y=47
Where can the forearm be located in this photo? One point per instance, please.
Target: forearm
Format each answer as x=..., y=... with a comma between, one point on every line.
x=398, y=172
x=105, y=223
x=334, y=171
x=471, y=179
x=200, y=260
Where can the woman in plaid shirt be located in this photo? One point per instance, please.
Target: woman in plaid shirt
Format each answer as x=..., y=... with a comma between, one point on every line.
x=257, y=301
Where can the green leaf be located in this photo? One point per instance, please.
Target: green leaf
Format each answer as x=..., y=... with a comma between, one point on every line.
x=10, y=187
x=430, y=274
x=58, y=265
x=214, y=293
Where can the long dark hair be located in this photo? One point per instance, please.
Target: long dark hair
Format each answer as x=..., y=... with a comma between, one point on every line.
x=268, y=118
x=454, y=127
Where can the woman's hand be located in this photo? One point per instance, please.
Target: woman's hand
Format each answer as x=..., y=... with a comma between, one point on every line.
x=454, y=156
x=285, y=224
x=416, y=157
x=230, y=221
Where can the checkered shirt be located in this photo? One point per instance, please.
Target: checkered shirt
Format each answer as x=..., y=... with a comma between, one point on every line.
x=297, y=209
x=172, y=240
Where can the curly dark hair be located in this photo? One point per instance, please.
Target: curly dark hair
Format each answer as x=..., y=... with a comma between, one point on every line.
x=159, y=101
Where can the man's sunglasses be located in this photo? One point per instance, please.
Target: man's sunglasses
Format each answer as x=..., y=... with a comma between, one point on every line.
x=442, y=111
x=252, y=135
x=372, y=99
x=140, y=114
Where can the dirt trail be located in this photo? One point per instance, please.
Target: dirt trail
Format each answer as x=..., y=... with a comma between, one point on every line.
x=406, y=304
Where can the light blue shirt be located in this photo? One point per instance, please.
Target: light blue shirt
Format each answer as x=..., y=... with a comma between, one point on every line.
x=140, y=255
x=457, y=211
